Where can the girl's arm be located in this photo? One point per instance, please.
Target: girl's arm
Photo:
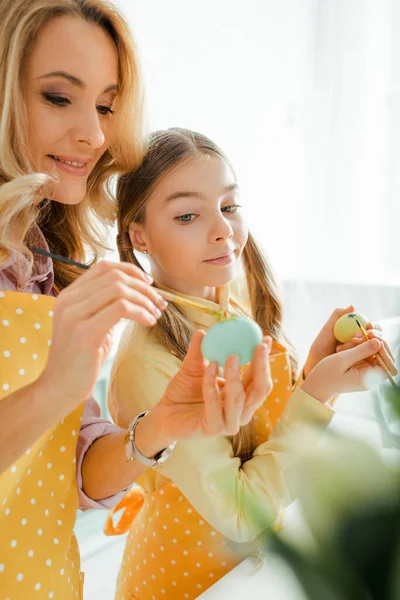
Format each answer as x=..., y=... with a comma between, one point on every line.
x=239, y=500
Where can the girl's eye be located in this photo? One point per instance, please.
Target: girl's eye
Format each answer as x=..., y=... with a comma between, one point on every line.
x=231, y=209
x=186, y=218
x=56, y=100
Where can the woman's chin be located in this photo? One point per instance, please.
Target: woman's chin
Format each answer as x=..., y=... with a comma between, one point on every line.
x=68, y=197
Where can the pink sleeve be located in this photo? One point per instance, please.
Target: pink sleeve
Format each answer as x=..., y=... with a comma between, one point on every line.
x=92, y=428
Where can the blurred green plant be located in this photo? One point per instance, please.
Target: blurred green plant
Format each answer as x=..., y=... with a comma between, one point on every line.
x=351, y=503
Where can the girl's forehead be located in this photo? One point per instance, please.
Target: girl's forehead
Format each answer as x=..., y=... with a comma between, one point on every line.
x=204, y=174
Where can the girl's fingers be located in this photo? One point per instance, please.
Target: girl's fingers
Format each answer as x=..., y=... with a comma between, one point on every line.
x=350, y=357
x=375, y=330
x=337, y=313
x=385, y=351
x=234, y=395
x=213, y=410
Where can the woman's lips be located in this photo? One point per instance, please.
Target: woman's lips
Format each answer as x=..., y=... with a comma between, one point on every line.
x=79, y=168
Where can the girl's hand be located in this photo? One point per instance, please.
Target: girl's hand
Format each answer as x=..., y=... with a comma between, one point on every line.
x=342, y=372
x=374, y=330
x=84, y=316
x=325, y=344
x=197, y=403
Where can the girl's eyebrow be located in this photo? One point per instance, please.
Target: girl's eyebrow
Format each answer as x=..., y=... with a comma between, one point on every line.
x=76, y=81
x=174, y=196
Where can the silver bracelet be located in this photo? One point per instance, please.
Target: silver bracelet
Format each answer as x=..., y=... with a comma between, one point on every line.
x=132, y=452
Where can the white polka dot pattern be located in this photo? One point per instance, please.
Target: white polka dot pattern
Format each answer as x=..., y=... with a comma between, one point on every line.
x=38, y=498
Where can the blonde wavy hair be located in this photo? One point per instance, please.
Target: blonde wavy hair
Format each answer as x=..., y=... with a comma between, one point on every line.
x=70, y=230
x=168, y=149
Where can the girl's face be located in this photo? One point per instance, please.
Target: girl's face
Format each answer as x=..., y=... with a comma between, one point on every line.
x=70, y=83
x=194, y=232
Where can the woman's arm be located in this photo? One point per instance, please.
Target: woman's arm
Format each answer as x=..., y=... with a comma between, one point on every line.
x=84, y=314
x=25, y=416
x=104, y=469
x=192, y=406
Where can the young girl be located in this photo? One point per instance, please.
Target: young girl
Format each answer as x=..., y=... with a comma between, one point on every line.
x=181, y=208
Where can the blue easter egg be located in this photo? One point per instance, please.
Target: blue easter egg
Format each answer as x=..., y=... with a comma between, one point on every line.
x=234, y=336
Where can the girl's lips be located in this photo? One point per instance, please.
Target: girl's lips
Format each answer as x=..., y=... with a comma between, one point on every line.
x=80, y=170
x=222, y=261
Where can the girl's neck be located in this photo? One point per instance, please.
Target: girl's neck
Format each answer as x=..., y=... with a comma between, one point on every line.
x=205, y=293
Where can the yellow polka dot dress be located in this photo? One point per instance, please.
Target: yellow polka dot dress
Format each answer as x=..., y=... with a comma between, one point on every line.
x=39, y=556
x=171, y=551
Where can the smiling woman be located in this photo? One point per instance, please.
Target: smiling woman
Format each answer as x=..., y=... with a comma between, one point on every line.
x=70, y=117
x=75, y=105
x=61, y=86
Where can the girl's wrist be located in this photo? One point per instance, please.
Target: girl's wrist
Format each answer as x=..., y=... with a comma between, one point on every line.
x=317, y=389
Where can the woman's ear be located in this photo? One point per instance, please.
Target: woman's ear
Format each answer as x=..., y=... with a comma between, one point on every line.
x=138, y=237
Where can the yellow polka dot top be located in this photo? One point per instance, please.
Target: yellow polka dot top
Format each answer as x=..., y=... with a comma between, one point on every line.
x=39, y=556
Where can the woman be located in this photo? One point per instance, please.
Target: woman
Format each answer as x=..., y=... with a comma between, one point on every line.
x=70, y=93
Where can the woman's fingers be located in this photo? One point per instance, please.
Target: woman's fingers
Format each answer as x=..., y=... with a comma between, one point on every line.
x=113, y=284
x=96, y=327
x=106, y=266
x=261, y=384
x=234, y=395
x=214, y=423
x=193, y=363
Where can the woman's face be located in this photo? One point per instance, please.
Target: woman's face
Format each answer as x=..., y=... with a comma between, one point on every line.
x=71, y=80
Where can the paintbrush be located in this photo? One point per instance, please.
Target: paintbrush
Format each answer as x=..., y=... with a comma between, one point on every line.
x=378, y=358
x=169, y=296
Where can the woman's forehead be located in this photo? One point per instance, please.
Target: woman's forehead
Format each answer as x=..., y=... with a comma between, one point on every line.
x=74, y=46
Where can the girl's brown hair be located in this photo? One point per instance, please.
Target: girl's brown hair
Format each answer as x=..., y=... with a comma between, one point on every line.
x=69, y=230
x=167, y=150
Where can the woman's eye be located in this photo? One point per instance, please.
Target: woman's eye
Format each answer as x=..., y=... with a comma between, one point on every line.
x=186, y=218
x=105, y=110
x=61, y=101
x=56, y=100
x=231, y=209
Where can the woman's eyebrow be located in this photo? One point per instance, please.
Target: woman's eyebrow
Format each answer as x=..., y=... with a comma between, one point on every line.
x=76, y=81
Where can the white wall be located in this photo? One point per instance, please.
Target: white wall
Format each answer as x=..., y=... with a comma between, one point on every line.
x=240, y=72
x=300, y=94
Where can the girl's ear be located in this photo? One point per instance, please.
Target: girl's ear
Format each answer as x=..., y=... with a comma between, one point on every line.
x=138, y=237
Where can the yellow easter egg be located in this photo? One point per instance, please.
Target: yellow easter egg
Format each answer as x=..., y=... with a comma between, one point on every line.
x=346, y=326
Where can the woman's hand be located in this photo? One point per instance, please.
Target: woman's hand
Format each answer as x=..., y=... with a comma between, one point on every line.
x=197, y=403
x=343, y=372
x=84, y=316
x=325, y=344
